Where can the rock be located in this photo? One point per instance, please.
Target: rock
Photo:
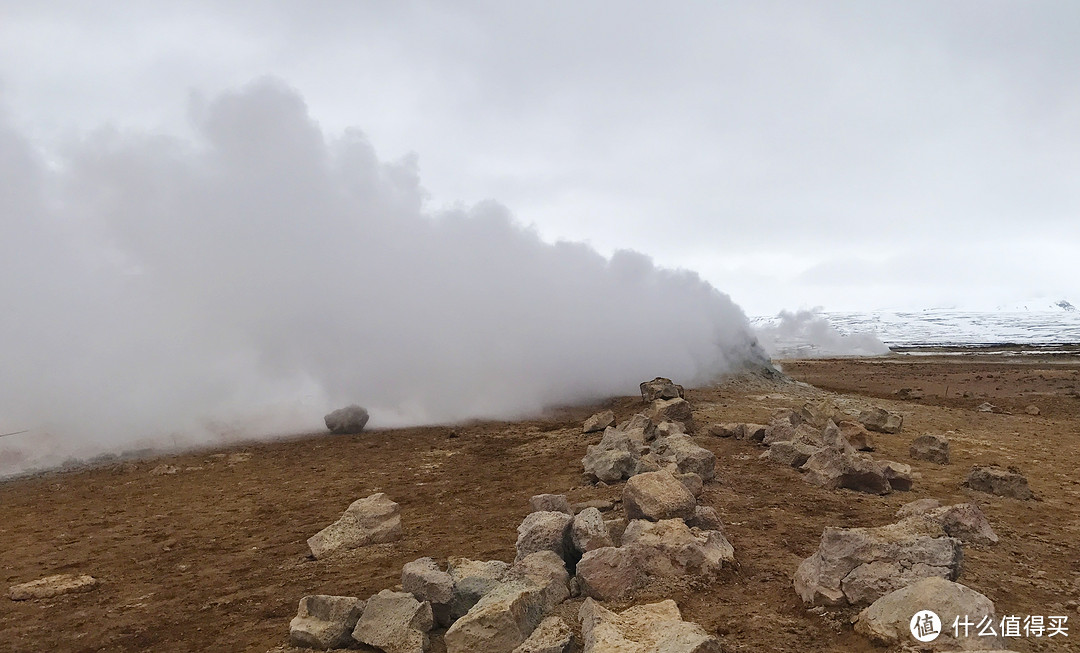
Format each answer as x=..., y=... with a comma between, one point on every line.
x=832, y=469
x=550, y=503
x=324, y=622
x=917, y=507
x=881, y=420
x=164, y=470
x=641, y=421
x=855, y=566
x=672, y=410
x=589, y=532
x=665, y=429
x=616, y=528
x=987, y=407
x=1002, y=482
x=612, y=459
x=964, y=521
x=888, y=619
x=544, y=531
x=507, y=615
x=423, y=579
x=660, y=388
x=649, y=628
x=706, y=519
x=852, y=434
x=50, y=586
x=692, y=482
x=371, y=520
x=690, y=457
x=602, y=505
x=793, y=454
x=599, y=422
x=727, y=430
x=553, y=635
x=899, y=475
x=649, y=551
x=657, y=495
x=649, y=462
x=395, y=622
x=934, y=448
x=1032, y=409
x=778, y=432
x=754, y=432
x=472, y=580
x=350, y=419
x=786, y=417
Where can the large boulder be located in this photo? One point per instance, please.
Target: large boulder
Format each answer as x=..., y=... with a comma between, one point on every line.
x=423, y=579
x=649, y=628
x=963, y=521
x=652, y=550
x=672, y=410
x=833, y=469
x=553, y=635
x=324, y=622
x=1002, y=482
x=599, y=422
x=793, y=454
x=472, y=580
x=395, y=622
x=544, y=531
x=351, y=419
x=856, y=566
x=888, y=619
x=371, y=520
x=612, y=459
x=657, y=495
x=507, y=615
x=660, y=388
x=881, y=420
x=934, y=448
x=588, y=531
x=689, y=456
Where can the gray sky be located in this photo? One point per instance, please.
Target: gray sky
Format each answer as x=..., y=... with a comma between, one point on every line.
x=843, y=154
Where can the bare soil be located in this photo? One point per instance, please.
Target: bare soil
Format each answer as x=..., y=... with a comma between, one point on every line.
x=213, y=557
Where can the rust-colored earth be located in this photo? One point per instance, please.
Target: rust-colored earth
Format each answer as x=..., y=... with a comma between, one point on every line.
x=213, y=557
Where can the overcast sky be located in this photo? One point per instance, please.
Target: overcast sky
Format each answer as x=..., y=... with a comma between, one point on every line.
x=852, y=155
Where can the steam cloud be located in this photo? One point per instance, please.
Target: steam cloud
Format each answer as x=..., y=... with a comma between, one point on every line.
x=159, y=291
x=808, y=334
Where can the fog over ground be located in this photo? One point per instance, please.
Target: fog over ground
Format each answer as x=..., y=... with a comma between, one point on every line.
x=164, y=291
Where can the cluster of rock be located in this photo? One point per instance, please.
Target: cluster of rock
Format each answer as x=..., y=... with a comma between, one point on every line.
x=828, y=447
x=857, y=566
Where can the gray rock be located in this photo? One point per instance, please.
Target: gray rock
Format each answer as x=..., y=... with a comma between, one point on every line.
x=917, y=507
x=395, y=622
x=613, y=459
x=324, y=622
x=660, y=388
x=553, y=635
x=672, y=410
x=833, y=469
x=1002, y=482
x=599, y=422
x=351, y=419
x=856, y=566
x=641, y=421
x=899, y=475
x=934, y=448
x=727, y=430
x=689, y=456
x=881, y=420
x=706, y=519
x=887, y=620
x=550, y=503
x=589, y=532
x=792, y=454
x=649, y=628
x=371, y=520
x=778, y=432
x=544, y=531
x=753, y=432
x=665, y=429
x=963, y=521
x=472, y=580
x=848, y=434
x=603, y=505
x=423, y=579
x=657, y=495
x=507, y=615
x=692, y=482
x=50, y=586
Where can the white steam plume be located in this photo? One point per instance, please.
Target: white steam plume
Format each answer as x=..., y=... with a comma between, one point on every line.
x=808, y=334
x=160, y=291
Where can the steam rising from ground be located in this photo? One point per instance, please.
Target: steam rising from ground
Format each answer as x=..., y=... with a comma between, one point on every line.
x=807, y=334
x=162, y=291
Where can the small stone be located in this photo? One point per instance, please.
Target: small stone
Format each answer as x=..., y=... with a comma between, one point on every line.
x=934, y=448
x=325, y=622
x=50, y=586
x=881, y=420
x=1002, y=482
x=1032, y=409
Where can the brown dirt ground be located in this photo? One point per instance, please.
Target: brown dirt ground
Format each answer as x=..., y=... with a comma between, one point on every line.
x=213, y=558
